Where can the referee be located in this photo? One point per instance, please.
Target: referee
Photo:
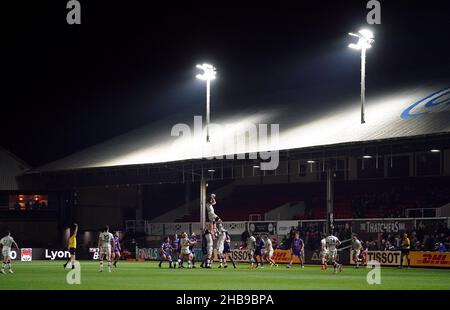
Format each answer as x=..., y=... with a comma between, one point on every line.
x=72, y=245
x=406, y=247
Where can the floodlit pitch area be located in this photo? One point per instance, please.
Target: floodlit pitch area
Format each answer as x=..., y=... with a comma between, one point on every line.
x=147, y=276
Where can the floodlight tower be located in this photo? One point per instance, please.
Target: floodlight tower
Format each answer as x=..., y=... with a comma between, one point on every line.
x=208, y=75
x=365, y=41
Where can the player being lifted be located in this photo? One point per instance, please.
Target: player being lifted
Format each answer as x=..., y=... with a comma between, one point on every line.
x=7, y=242
x=117, y=249
x=212, y=216
x=332, y=243
x=185, y=253
x=72, y=245
x=227, y=251
x=356, y=250
x=105, y=244
x=268, y=251
x=323, y=252
x=297, y=249
x=166, y=252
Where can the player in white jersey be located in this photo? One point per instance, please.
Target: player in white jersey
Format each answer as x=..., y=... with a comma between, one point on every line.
x=356, y=250
x=268, y=251
x=186, y=253
x=212, y=216
x=250, y=245
x=332, y=244
x=324, y=252
x=7, y=242
x=105, y=244
x=207, y=248
x=221, y=237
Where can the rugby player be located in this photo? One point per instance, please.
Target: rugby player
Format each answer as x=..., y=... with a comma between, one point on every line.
x=356, y=250
x=185, y=253
x=332, y=243
x=7, y=242
x=250, y=245
x=227, y=251
x=221, y=237
x=212, y=216
x=207, y=249
x=193, y=239
x=117, y=249
x=176, y=250
x=297, y=249
x=166, y=252
x=323, y=252
x=258, y=251
x=105, y=244
x=268, y=251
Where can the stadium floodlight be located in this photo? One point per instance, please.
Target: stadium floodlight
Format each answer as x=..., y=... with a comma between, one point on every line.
x=211, y=170
x=367, y=156
x=435, y=151
x=365, y=41
x=208, y=75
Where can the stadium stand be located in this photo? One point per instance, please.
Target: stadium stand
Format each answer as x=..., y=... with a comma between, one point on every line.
x=384, y=198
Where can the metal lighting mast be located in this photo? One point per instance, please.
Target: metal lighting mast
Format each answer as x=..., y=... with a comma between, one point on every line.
x=365, y=41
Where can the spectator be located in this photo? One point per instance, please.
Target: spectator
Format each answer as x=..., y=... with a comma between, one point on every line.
x=441, y=248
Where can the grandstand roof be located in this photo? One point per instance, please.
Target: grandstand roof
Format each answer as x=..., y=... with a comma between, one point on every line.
x=10, y=167
x=407, y=113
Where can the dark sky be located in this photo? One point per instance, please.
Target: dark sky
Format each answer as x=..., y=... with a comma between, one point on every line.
x=67, y=87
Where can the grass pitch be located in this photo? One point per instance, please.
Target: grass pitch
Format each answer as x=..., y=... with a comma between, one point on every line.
x=45, y=275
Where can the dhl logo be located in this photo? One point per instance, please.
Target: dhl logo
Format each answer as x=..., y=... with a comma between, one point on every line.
x=280, y=255
x=434, y=259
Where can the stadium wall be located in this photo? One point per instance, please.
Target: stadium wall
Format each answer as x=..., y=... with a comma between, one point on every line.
x=447, y=162
x=27, y=233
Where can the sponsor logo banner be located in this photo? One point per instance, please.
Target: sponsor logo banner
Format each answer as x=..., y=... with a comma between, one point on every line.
x=385, y=258
x=437, y=102
x=284, y=257
x=26, y=255
x=263, y=227
x=375, y=227
x=284, y=227
x=56, y=254
x=94, y=253
x=154, y=254
x=430, y=259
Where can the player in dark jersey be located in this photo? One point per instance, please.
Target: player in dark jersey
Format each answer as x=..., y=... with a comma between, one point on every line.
x=258, y=251
x=176, y=250
x=227, y=251
x=297, y=249
x=204, y=250
x=166, y=253
x=116, y=250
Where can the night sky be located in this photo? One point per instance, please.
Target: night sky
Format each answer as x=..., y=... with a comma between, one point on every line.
x=67, y=87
